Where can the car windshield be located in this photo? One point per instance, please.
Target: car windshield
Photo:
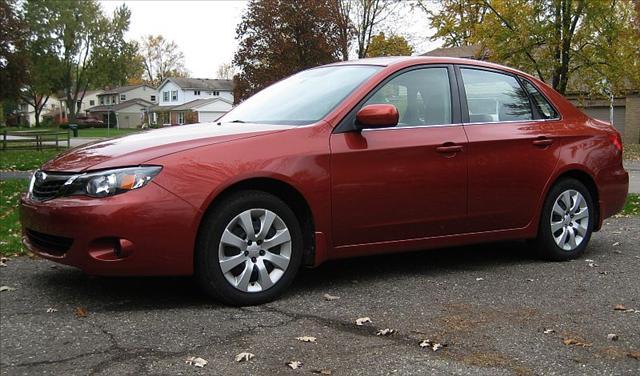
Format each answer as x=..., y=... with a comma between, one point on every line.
x=303, y=98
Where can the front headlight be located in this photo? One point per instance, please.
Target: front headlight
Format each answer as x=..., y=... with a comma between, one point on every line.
x=110, y=182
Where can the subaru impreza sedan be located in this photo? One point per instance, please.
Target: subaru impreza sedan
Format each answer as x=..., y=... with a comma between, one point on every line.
x=349, y=159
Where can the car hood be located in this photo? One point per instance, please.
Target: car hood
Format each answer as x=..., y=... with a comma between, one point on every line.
x=140, y=147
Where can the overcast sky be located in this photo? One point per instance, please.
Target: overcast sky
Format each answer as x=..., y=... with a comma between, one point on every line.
x=205, y=30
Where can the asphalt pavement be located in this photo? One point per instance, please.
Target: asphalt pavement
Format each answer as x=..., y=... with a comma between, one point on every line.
x=498, y=310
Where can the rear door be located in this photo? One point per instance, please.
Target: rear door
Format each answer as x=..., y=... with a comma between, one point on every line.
x=512, y=148
x=408, y=181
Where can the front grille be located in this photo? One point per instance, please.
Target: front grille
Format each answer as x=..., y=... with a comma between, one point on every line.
x=48, y=185
x=55, y=245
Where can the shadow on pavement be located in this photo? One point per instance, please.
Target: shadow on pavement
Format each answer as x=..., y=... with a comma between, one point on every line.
x=72, y=286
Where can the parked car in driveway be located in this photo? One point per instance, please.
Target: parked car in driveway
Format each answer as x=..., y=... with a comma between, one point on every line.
x=349, y=159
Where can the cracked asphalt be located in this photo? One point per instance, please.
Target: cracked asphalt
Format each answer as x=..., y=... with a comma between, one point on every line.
x=490, y=304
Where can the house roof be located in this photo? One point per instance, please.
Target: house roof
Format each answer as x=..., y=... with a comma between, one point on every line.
x=200, y=83
x=468, y=52
x=120, y=106
x=123, y=89
x=193, y=105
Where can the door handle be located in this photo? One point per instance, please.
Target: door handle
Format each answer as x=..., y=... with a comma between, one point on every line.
x=543, y=142
x=449, y=149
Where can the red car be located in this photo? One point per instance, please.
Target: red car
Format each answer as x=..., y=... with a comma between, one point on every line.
x=349, y=159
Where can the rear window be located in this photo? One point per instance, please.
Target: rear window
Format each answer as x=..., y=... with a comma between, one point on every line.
x=544, y=108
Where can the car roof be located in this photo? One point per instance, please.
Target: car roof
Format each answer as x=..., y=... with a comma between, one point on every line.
x=404, y=61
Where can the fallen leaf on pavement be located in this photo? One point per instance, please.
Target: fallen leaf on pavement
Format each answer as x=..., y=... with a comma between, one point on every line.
x=3, y=261
x=530, y=279
x=616, y=244
x=294, y=364
x=593, y=265
x=196, y=361
x=634, y=355
x=435, y=346
x=575, y=342
x=479, y=279
x=385, y=332
x=6, y=288
x=51, y=310
x=612, y=337
x=323, y=371
x=307, y=339
x=603, y=272
x=329, y=297
x=618, y=252
x=362, y=320
x=549, y=331
x=80, y=312
x=244, y=357
x=619, y=307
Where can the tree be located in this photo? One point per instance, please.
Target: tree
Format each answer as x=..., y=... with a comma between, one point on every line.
x=555, y=40
x=367, y=16
x=281, y=37
x=225, y=72
x=161, y=58
x=13, y=37
x=455, y=21
x=88, y=47
x=394, y=45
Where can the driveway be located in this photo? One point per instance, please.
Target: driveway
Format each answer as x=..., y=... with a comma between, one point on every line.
x=489, y=304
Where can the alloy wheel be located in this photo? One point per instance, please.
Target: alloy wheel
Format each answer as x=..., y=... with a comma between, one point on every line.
x=569, y=219
x=254, y=250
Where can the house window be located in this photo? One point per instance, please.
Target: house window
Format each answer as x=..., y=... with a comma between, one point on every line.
x=196, y=92
x=180, y=117
x=216, y=93
x=165, y=96
x=92, y=103
x=101, y=100
x=123, y=97
x=153, y=98
x=174, y=95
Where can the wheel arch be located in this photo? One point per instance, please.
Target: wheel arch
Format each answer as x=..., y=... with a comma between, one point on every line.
x=285, y=192
x=589, y=182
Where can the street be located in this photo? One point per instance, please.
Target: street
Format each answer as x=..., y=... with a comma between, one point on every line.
x=496, y=307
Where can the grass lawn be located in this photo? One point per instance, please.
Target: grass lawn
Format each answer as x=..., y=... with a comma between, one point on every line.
x=25, y=160
x=632, y=206
x=632, y=152
x=104, y=132
x=10, y=242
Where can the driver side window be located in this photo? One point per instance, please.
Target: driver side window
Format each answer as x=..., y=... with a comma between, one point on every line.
x=422, y=97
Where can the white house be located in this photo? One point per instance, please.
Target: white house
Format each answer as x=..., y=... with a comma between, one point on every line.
x=127, y=114
x=124, y=93
x=27, y=113
x=192, y=100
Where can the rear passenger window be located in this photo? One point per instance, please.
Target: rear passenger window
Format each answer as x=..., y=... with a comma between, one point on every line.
x=494, y=97
x=422, y=97
x=541, y=104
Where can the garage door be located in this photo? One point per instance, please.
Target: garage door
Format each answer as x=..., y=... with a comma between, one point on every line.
x=208, y=117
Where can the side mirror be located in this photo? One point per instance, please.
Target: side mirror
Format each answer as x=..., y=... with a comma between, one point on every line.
x=377, y=116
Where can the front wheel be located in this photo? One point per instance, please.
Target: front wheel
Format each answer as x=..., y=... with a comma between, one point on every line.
x=249, y=249
x=566, y=222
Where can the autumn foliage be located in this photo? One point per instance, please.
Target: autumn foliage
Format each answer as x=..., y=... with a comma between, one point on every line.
x=281, y=37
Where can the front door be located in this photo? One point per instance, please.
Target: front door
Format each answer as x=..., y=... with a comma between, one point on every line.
x=403, y=182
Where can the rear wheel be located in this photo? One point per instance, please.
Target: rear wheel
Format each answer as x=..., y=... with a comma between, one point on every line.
x=249, y=249
x=566, y=222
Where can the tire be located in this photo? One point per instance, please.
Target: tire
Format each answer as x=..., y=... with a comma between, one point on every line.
x=568, y=236
x=243, y=268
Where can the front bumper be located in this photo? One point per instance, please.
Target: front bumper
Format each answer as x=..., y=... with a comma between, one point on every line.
x=148, y=231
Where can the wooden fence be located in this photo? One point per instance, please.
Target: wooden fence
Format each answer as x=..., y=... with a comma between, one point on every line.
x=35, y=140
